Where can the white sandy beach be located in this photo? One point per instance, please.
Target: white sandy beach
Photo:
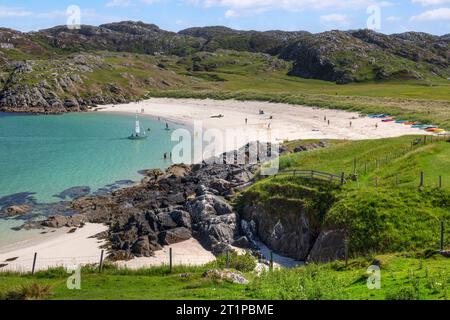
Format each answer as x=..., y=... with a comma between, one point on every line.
x=188, y=252
x=290, y=122
x=54, y=249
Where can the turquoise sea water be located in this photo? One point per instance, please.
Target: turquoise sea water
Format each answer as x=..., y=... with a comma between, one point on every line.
x=45, y=155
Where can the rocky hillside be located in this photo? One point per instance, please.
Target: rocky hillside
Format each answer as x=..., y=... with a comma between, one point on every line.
x=58, y=70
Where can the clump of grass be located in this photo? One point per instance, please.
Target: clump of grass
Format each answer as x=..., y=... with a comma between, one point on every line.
x=312, y=282
x=403, y=293
x=243, y=263
x=33, y=291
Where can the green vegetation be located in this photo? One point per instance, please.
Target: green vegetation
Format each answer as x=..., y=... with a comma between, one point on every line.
x=403, y=276
x=383, y=209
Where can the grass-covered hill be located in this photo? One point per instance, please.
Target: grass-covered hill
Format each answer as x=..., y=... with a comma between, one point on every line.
x=381, y=209
x=123, y=61
x=403, y=277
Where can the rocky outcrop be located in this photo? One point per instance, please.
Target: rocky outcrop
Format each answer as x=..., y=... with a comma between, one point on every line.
x=289, y=232
x=329, y=246
x=231, y=276
x=52, y=82
x=166, y=208
x=76, y=221
x=16, y=210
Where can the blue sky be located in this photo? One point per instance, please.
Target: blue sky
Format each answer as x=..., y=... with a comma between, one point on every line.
x=431, y=16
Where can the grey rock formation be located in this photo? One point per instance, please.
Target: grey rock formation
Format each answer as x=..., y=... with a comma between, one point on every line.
x=329, y=246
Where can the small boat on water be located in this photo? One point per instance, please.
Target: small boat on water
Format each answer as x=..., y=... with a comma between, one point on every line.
x=138, y=133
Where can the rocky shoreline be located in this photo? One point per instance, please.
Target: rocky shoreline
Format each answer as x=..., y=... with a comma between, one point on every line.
x=193, y=201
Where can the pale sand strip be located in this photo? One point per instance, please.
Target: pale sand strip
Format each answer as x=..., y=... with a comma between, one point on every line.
x=186, y=253
x=290, y=122
x=59, y=249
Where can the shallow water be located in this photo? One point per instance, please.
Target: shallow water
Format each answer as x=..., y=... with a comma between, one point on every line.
x=42, y=156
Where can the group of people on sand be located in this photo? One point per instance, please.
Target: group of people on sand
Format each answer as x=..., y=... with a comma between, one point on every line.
x=167, y=155
x=261, y=112
x=351, y=122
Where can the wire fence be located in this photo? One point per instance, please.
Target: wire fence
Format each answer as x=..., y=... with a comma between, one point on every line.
x=363, y=168
x=164, y=258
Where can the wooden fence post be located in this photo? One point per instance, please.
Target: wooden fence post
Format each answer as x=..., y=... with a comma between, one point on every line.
x=422, y=179
x=170, y=260
x=100, y=267
x=342, y=178
x=365, y=167
x=442, y=236
x=440, y=182
x=33, y=269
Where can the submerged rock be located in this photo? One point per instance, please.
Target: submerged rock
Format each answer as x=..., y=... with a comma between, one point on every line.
x=17, y=210
x=74, y=193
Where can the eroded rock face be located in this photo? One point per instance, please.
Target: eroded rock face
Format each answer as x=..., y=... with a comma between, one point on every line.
x=329, y=246
x=289, y=233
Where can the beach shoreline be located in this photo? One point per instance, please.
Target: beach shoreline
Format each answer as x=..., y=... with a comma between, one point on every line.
x=284, y=121
x=62, y=248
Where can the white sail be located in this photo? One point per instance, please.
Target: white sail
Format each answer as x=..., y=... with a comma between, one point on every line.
x=138, y=127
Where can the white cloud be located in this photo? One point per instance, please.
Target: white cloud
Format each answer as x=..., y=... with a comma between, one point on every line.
x=8, y=12
x=433, y=15
x=335, y=19
x=236, y=8
x=426, y=3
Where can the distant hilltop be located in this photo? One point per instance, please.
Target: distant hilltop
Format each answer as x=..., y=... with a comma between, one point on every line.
x=59, y=69
x=341, y=56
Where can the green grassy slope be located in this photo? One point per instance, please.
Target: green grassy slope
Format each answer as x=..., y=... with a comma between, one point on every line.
x=403, y=276
x=392, y=216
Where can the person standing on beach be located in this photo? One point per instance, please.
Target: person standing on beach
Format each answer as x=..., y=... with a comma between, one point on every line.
x=328, y=122
x=351, y=124
x=246, y=121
